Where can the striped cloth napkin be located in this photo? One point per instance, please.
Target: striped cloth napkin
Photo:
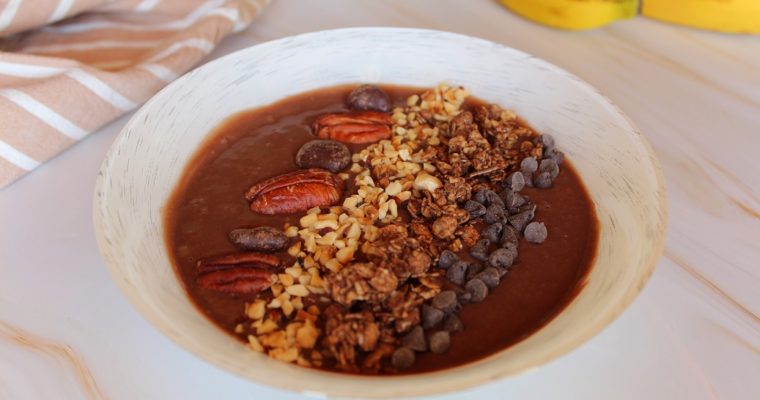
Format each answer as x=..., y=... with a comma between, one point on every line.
x=60, y=81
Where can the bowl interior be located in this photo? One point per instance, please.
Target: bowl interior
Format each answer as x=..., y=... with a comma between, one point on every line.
x=146, y=161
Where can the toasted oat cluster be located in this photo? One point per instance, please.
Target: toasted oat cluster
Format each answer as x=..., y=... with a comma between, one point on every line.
x=422, y=221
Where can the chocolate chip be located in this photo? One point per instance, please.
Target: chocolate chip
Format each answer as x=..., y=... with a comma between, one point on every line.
x=456, y=272
x=480, y=250
x=430, y=316
x=516, y=181
x=439, y=342
x=528, y=176
x=492, y=232
x=477, y=289
x=550, y=166
x=512, y=248
x=548, y=141
x=446, y=301
x=555, y=155
x=512, y=200
x=415, y=339
x=535, y=232
x=474, y=208
x=521, y=219
x=543, y=180
x=453, y=324
x=509, y=235
x=447, y=259
x=326, y=154
x=495, y=213
x=480, y=196
x=369, y=97
x=403, y=358
x=473, y=270
x=501, y=258
x=529, y=165
x=262, y=238
x=489, y=276
x=493, y=199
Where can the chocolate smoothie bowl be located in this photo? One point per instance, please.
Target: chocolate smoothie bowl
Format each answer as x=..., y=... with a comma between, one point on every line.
x=380, y=230
x=379, y=212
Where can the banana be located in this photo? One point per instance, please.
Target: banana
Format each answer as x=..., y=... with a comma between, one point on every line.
x=574, y=14
x=732, y=16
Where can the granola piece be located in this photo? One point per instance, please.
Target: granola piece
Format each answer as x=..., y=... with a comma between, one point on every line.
x=361, y=281
x=444, y=227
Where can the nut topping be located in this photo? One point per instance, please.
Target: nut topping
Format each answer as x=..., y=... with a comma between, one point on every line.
x=241, y=273
x=295, y=192
x=354, y=127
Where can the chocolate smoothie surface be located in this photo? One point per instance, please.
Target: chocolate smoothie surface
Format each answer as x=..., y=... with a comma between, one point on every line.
x=258, y=144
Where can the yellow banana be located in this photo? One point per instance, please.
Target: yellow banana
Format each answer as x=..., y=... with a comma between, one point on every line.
x=735, y=16
x=574, y=14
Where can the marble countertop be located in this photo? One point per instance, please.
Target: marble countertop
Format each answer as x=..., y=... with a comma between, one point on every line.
x=66, y=332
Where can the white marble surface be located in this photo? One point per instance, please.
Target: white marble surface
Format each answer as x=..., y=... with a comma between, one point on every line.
x=66, y=332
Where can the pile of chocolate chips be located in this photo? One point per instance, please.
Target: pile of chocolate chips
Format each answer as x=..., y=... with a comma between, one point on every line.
x=506, y=215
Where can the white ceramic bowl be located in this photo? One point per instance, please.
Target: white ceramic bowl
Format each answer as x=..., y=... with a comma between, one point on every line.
x=147, y=159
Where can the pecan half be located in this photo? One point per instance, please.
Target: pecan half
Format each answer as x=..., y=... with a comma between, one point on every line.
x=295, y=192
x=240, y=273
x=266, y=262
x=354, y=127
x=237, y=280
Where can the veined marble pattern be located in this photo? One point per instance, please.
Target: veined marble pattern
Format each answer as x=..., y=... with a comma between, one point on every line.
x=693, y=333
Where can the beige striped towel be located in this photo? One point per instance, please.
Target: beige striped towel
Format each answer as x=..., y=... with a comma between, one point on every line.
x=67, y=67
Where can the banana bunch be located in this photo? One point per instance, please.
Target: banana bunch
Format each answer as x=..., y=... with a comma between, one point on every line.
x=733, y=16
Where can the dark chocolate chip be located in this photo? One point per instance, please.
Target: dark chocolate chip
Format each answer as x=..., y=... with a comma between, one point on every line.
x=521, y=219
x=480, y=196
x=495, y=213
x=492, y=232
x=493, y=199
x=512, y=248
x=262, y=238
x=513, y=200
x=473, y=270
x=516, y=181
x=403, y=358
x=445, y=301
x=555, y=155
x=430, y=316
x=550, y=166
x=369, y=97
x=327, y=154
x=439, y=342
x=543, y=180
x=502, y=258
x=477, y=289
x=509, y=235
x=480, y=250
x=447, y=259
x=474, y=208
x=548, y=141
x=456, y=272
x=415, y=339
x=453, y=324
x=489, y=276
x=528, y=176
x=529, y=165
x=535, y=232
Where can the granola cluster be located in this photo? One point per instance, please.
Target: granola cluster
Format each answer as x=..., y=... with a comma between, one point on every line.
x=430, y=221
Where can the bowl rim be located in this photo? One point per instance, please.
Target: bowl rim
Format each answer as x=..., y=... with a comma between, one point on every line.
x=636, y=287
